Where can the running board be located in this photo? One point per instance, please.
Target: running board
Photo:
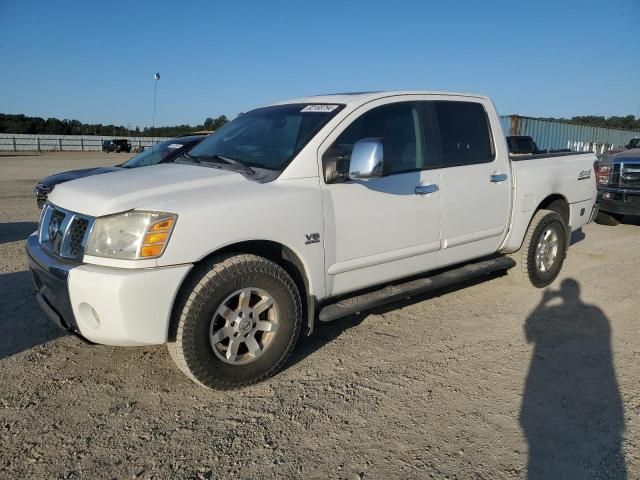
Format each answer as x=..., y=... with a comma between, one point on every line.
x=396, y=292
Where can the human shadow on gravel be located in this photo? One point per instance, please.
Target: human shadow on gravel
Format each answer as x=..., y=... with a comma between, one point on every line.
x=12, y=232
x=572, y=412
x=22, y=324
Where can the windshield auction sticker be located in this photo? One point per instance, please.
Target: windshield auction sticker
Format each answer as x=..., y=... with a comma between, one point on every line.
x=319, y=108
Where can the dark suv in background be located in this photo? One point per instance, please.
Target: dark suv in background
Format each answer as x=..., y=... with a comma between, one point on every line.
x=619, y=186
x=161, y=153
x=118, y=145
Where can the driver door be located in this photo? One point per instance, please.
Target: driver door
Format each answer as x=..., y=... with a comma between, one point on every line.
x=382, y=228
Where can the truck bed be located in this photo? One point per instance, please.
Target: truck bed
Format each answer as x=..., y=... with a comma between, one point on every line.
x=538, y=156
x=568, y=176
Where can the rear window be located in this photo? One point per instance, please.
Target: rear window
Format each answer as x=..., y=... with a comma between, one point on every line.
x=520, y=145
x=462, y=133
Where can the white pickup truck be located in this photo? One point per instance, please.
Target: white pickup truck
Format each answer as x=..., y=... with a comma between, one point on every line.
x=309, y=209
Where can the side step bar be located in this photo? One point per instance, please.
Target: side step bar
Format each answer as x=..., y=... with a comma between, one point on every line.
x=396, y=292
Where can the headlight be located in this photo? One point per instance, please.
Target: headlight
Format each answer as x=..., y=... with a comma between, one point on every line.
x=131, y=235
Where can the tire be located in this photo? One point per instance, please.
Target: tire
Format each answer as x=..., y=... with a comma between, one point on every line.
x=528, y=267
x=214, y=306
x=604, y=218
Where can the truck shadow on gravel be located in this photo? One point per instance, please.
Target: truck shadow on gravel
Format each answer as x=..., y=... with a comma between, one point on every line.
x=577, y=237
x=22, y=323
x=13, y=232
x=631, y=220
x=325, y=333
x=572, y=412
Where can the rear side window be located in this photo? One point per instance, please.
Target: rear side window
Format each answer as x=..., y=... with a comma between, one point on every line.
x=462, y=134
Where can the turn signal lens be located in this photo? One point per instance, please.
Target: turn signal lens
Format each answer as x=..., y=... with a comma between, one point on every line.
x=603, y=173
x=162, y=225
x=151, y=250
x=157, y=237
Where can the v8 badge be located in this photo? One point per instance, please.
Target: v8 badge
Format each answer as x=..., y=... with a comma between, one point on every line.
x=312, y=238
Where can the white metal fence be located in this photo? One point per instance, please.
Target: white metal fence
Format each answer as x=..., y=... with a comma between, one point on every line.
x=546, y=133
x=10, y=142
x=549, y=134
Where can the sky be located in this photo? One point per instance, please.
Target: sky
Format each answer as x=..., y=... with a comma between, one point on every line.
x=95, y=61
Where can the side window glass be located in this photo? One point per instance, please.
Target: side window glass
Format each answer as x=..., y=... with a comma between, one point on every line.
x=462, y=133
x=397, y=125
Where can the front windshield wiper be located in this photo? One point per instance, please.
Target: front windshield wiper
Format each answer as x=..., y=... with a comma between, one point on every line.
x=231, y=161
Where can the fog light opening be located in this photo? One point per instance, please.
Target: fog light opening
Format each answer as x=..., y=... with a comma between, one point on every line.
x=89, y=315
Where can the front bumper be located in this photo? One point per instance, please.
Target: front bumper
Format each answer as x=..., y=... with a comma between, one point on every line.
x=594, y=212
x=112, y=306
x=50, y=278
x=619, y=201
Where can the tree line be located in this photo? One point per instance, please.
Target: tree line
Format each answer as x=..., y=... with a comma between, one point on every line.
x=629, y=122
x=23, y=124
x=10, y=123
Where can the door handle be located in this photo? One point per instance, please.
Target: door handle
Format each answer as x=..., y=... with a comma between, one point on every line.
x=426, y=189
x=498, y=177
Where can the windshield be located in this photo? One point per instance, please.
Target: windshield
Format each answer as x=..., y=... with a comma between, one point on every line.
x=267, y=137
x=156, y=153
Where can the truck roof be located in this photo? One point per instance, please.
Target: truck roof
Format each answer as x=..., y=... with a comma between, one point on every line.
x=352, y=98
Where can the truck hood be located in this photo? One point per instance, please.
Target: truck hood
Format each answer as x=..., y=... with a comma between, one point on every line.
x=127, y=189
x=625, y=155
x=53, y=180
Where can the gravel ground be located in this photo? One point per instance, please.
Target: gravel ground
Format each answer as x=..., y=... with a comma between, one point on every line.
x=489, y=381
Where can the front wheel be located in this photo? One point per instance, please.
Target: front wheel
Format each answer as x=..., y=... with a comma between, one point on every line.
x=236, y=323
x=542, y=254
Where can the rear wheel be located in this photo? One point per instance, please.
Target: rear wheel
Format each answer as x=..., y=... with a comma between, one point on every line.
x=237, y=323
x=609, y=219
x=540, y=259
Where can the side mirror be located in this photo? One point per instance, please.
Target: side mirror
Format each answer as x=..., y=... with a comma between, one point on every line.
x=366, y=159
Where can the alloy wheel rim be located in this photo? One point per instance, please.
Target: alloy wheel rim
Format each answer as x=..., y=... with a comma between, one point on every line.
x=547, y=250
x=244, y=326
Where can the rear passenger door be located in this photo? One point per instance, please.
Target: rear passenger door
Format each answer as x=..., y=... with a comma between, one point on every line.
x=475, y=183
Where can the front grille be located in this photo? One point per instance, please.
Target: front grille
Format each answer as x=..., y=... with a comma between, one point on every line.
x=630, y=174
x=64, y=233
x=76, y=247
x=615, y=174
